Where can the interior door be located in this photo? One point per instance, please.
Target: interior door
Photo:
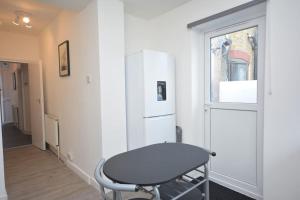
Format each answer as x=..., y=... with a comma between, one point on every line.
x=37, y=104
x=234, y=65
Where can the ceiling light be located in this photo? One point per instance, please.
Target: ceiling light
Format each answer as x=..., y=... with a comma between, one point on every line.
x=26, y=19
x=22, y=18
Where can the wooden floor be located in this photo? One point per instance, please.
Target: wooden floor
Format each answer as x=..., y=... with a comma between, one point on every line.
x=32, y=174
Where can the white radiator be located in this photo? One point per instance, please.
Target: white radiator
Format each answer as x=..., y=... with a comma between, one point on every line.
x=52, y=131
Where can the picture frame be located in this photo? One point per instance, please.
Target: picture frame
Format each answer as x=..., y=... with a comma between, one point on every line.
x=64, y=59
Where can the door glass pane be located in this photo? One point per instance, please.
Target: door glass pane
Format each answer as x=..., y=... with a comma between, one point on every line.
x=233, y=62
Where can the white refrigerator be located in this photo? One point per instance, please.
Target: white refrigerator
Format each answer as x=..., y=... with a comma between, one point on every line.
x=150, y=96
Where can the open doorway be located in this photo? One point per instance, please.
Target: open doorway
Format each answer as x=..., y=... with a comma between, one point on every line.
x=15, y=106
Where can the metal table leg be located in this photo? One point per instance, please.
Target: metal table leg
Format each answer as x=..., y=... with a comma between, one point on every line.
x=102, y=192
x=206, y=184
x=156, y=192
x=114, y=195
x=117, y=195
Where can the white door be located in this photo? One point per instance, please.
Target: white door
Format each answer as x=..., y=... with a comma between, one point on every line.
x=36, y=104
x=234, y=61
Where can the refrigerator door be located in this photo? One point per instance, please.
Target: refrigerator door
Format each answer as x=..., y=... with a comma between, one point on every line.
x=160, y=129
x=159, y=83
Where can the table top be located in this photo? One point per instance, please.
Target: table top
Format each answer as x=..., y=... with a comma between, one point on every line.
x=155, y=164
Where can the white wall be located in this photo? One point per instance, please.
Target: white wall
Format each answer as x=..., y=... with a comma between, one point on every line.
x=15, y=46
x=136, y=34
x=92, y=116
x=282, y=109
x=281, y=129
x=169, y=33
x=112, y=76
x=75, y=102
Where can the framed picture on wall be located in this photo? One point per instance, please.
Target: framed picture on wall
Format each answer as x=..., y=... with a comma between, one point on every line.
x=64, y=59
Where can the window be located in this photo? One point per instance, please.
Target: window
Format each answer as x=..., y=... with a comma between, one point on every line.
x=233, y=63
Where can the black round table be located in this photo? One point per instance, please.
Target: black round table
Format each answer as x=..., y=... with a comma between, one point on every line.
x=155, y=164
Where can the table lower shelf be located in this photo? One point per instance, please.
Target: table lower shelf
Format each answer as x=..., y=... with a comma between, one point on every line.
x=174, y=188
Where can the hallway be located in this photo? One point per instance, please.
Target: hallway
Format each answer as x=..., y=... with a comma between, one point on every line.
x=13, y=137
x=32, y=174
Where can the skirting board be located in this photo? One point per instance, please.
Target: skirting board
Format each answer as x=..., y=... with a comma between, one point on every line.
x=88, y=179
x=3, y=197
x=76, y=169
x=84, y=176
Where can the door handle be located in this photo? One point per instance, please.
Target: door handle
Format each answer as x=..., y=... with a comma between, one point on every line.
x=38, y=100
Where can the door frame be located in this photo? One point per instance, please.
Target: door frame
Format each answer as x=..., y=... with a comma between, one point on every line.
x=39, y=61
x=12, y=61
x=16, y=61
x=255, y=192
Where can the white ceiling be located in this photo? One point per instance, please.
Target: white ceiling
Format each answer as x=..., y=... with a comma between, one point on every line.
x=44, y=11
x=75, y=5
x=41, y=13
x=148, y=9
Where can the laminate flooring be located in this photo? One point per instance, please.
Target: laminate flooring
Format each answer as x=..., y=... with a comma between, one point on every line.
x=32, y=174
